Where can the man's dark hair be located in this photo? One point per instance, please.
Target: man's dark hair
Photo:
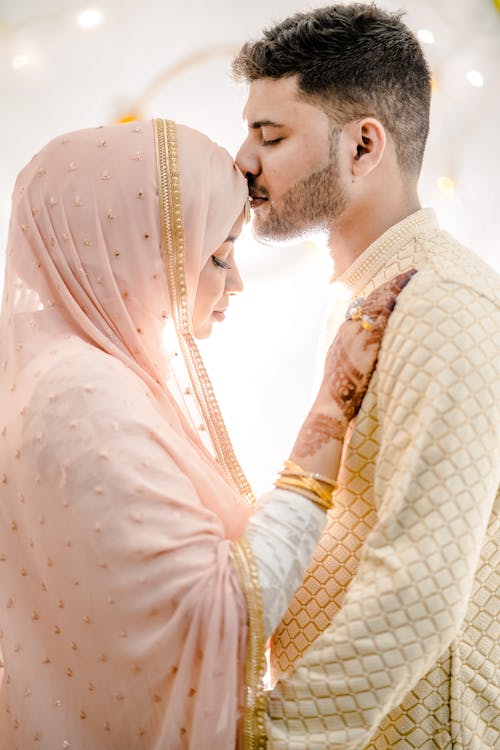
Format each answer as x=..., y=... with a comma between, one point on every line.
x=356, y=61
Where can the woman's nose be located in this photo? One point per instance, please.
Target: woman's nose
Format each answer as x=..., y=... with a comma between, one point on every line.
x=234, y=282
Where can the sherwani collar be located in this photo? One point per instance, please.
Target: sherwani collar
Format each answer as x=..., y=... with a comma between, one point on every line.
x=395, y=239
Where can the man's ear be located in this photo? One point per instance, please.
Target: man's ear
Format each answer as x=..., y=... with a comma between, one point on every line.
x=368, y=140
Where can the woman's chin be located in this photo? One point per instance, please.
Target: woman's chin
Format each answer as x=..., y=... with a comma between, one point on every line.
x=203, y=331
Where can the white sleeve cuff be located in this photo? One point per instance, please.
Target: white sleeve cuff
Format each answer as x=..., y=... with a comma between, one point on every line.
x=283, y=533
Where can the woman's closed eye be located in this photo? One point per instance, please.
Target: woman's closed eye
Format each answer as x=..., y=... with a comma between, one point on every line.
x=220, y=263
x=271, y=142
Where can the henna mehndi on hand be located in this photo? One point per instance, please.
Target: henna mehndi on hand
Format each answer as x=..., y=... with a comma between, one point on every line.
x=345, y=383
x=318, y=429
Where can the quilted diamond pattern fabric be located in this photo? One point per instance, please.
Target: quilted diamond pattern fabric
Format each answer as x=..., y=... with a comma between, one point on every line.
x=407, y=569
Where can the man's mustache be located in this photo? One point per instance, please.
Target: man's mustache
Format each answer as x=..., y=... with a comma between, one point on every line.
x=254, y=190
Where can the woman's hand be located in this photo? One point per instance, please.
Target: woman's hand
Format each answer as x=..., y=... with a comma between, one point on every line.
x=351, y=359
x=349, y=365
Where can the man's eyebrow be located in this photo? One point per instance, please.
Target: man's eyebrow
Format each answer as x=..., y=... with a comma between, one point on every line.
x=264, y=123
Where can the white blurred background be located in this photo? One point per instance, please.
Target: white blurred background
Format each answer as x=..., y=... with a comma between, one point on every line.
x=65, y=65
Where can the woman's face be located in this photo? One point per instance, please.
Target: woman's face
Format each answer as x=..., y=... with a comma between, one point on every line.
x=219, y=279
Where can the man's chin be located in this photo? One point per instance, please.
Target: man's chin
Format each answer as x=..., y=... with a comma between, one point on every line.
x=267, y=227
x=275, y=231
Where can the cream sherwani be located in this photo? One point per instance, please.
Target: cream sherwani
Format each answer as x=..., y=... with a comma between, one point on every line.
x=409, y=564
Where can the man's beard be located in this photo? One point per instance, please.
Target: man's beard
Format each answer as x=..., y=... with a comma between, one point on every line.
x=311, y=204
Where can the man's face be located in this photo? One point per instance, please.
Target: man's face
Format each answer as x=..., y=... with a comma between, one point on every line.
x=290, y=160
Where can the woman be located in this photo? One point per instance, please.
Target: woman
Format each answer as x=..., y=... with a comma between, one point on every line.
x=133, y=581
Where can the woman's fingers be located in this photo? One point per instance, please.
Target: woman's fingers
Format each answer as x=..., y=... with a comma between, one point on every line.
x=374, y=312
x=382, y=300
x=353, y=355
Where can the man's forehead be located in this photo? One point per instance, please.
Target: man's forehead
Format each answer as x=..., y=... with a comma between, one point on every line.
x=270, y=100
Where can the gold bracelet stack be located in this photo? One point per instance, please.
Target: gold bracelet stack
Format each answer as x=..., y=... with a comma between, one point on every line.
x=310, y=485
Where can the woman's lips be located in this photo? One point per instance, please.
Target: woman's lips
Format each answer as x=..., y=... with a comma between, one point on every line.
x=219, y=314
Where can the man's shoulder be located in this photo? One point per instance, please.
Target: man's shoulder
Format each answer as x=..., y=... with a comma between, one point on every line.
x=444, y=334
x=442, y=297
x=449, y=265
x=449, y=308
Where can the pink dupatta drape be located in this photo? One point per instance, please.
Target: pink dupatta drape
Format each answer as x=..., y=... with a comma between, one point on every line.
x=123, y=624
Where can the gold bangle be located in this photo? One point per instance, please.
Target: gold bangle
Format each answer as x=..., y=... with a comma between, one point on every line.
x=296, y=484
x=280, y=484
x=309, y=485
x=313, y=486
x=296, y=470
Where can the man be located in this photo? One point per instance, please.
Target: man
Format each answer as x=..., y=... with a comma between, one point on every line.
x=393, y=639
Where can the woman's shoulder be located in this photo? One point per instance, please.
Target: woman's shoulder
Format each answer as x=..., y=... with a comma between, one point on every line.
x=74, y=376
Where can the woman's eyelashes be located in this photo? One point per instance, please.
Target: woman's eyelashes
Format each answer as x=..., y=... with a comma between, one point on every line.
x=220, y=263
x=272, y=142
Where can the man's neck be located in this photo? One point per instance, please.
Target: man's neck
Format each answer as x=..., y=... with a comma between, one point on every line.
x=354, y=232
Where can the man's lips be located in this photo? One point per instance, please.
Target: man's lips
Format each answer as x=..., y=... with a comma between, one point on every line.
x=257, y=200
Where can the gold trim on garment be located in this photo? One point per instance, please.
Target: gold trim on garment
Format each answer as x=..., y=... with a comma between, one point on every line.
x=366, y=265
x=172, y=233
x=254, y=729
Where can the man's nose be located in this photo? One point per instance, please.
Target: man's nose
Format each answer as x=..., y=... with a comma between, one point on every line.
x=247, y=159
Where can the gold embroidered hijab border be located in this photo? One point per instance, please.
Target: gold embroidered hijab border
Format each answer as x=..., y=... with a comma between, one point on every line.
x=254, y=730
x=172, y=234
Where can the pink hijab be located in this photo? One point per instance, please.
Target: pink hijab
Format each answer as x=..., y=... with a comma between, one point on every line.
x=123, y=624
